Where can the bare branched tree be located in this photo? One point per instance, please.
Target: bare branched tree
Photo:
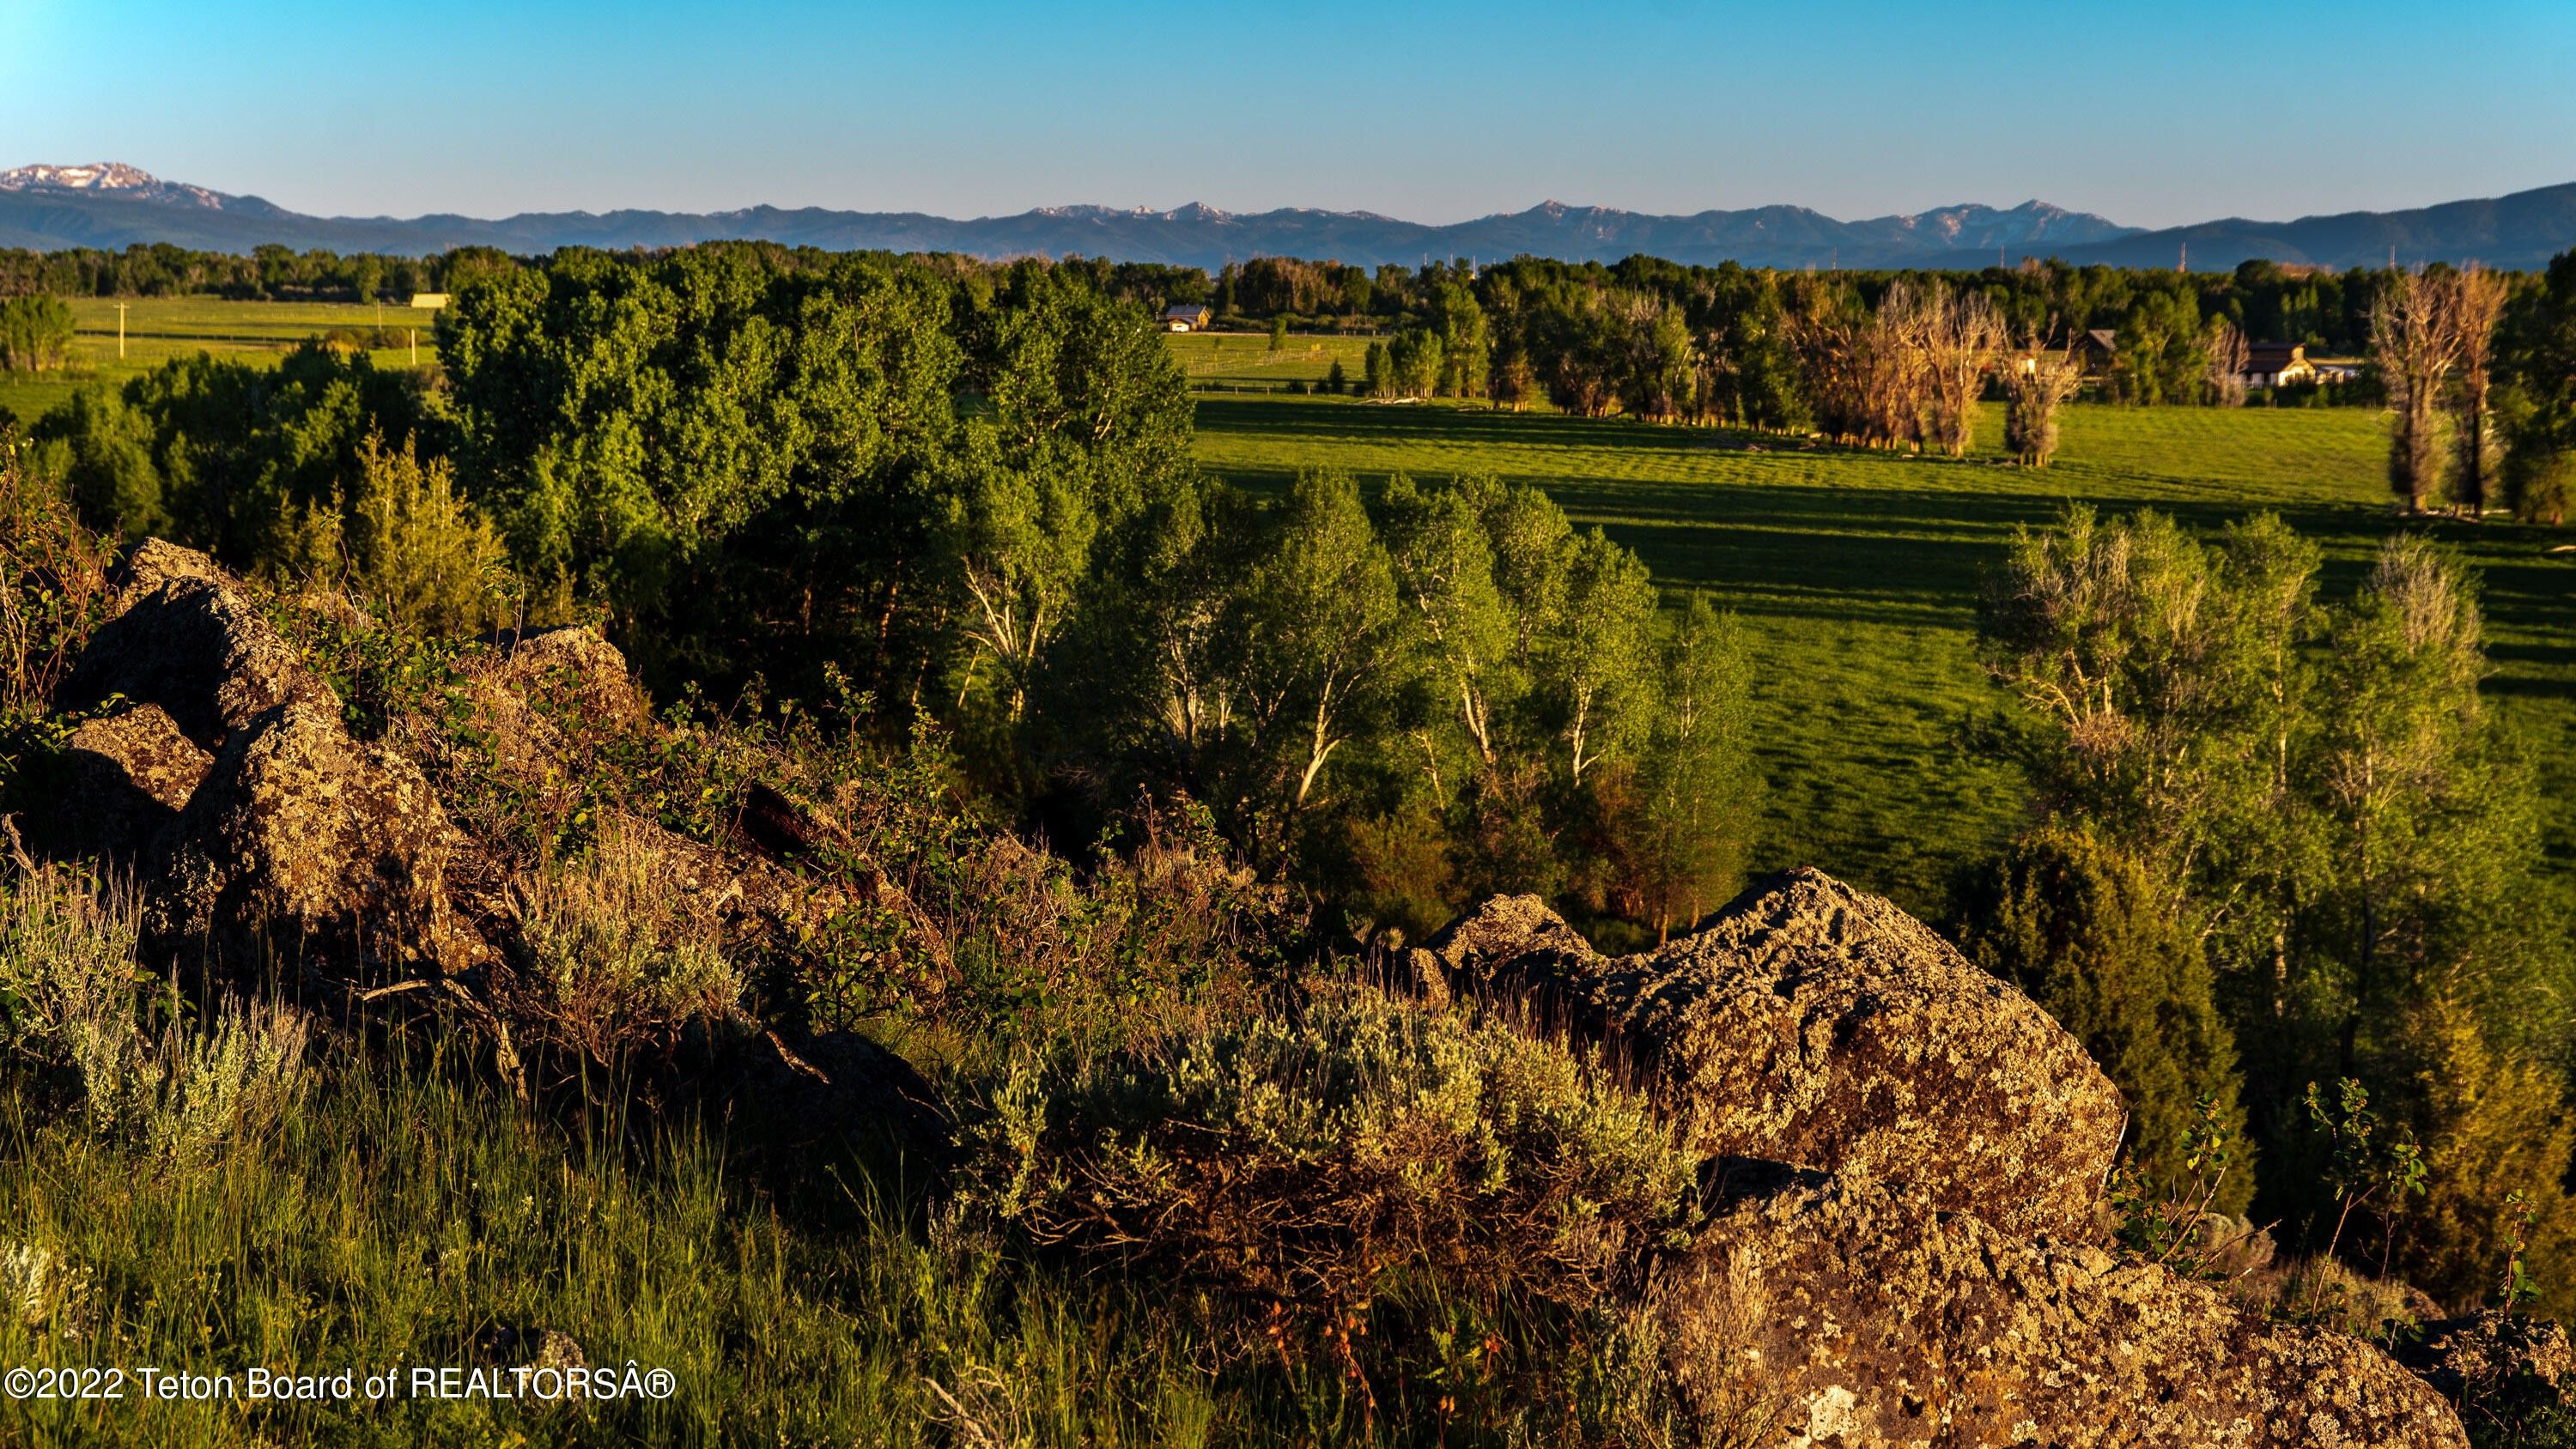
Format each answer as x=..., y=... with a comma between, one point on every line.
x=2228, y=356
x=2477, y=300
x=2414, y=341
x=1960, y=335
x=2038, y=379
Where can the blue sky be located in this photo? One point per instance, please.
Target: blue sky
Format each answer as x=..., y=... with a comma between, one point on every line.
x=2148, y=113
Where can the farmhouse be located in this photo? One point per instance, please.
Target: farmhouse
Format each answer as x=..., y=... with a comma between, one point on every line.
x=1185, y=319
x=2278, y=364
x=2099, y=348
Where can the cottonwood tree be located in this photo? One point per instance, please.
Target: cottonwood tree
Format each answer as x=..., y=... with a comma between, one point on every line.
x=2478, y=298
x=2037, y=381
x=1594, y=670
x=2228, y=358
x=2414, y=338
x=1960, y=335
x=1312, y=639
x=1699, y=793
x=2319, y=796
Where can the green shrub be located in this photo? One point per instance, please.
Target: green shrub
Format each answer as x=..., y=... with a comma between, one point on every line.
x=176, y=1087
x=1375, y=1181
x=2081, y=927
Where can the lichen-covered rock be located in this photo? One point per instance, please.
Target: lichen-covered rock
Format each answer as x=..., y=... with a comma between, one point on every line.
x=155, y=562
x=571, y=668
x=1823, y=1310
x=303, y=842
x=119, y=780
x=1809, y=1023
x=201, y=651
x=1508, y=936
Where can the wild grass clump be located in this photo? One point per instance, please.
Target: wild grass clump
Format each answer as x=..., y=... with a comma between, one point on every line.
x=617, y=953
x=1410, y=1196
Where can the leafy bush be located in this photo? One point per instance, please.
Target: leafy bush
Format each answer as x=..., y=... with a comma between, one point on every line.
x=1368, y=1160
x=53, y=583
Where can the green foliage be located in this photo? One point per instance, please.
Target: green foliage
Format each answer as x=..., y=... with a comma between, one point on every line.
x=2085, y=931
x=53, y=583
x=402, y=543
x=35, y=333
x=143, y=1074
x=2324, y=794
x=224, y=455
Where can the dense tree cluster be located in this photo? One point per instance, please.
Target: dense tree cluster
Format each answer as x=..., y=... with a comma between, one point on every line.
x=2311, y=793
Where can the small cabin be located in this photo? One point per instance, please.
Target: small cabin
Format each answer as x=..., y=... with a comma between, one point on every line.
x=2098, y=348
x=429, y=301
x=1185, y=319
x=2278, y=364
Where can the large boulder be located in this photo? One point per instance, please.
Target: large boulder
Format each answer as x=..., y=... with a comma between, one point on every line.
x=304, y=844
x=199, y=649
x=1812, y=1024
x=1824, y=1310
x=118, y=781
x=155, y=562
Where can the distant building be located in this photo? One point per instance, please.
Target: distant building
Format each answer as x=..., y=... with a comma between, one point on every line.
x=429, y=301
x=1185, y=319
x=2099, y=348
x=2278, y=364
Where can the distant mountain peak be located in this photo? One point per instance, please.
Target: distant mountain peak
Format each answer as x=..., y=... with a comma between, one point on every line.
x=111, y=205
x=107, y=176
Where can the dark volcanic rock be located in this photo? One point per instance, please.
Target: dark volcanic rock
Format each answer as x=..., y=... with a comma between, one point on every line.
x=199, y=650
x=122, y=778
x=1811, y=1024
x=1816, y=1310
x=304, y=841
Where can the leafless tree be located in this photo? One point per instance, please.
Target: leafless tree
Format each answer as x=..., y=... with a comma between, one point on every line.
x=2414, y=341
x=1960, y=335
x=2038, y=379
x=2477, y=300
x=2228, y=356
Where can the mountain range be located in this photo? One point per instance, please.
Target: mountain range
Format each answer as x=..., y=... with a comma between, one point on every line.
x=112, y=205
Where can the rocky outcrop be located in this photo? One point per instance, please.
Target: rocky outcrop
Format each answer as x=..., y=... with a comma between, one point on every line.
x=1812, y=1024
x=118, y=782
x=304, y=844
x=202, y=652
x=1835, y=1311
x=155, y=562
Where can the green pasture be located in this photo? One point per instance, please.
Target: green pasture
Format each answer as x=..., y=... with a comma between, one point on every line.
x=1860, y=572
x=1244, y=362
x=160, y=328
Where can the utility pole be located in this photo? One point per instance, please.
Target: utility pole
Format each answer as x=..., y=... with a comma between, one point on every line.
x=414, y=334
x=120, y=331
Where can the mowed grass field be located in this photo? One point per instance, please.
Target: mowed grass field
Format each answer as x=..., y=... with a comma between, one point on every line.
x=1859, y=575
x=160, y=328
x=1244, y=362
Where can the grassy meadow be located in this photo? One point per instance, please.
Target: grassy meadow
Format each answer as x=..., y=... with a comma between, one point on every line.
x=1860, y=573
x=160, y=328
x=1244, y=362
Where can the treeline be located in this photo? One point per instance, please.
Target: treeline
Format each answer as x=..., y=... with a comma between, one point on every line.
x=267, y=274
x=964, y=497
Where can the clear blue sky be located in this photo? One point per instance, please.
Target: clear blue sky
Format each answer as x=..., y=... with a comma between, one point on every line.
x=2148, y=113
